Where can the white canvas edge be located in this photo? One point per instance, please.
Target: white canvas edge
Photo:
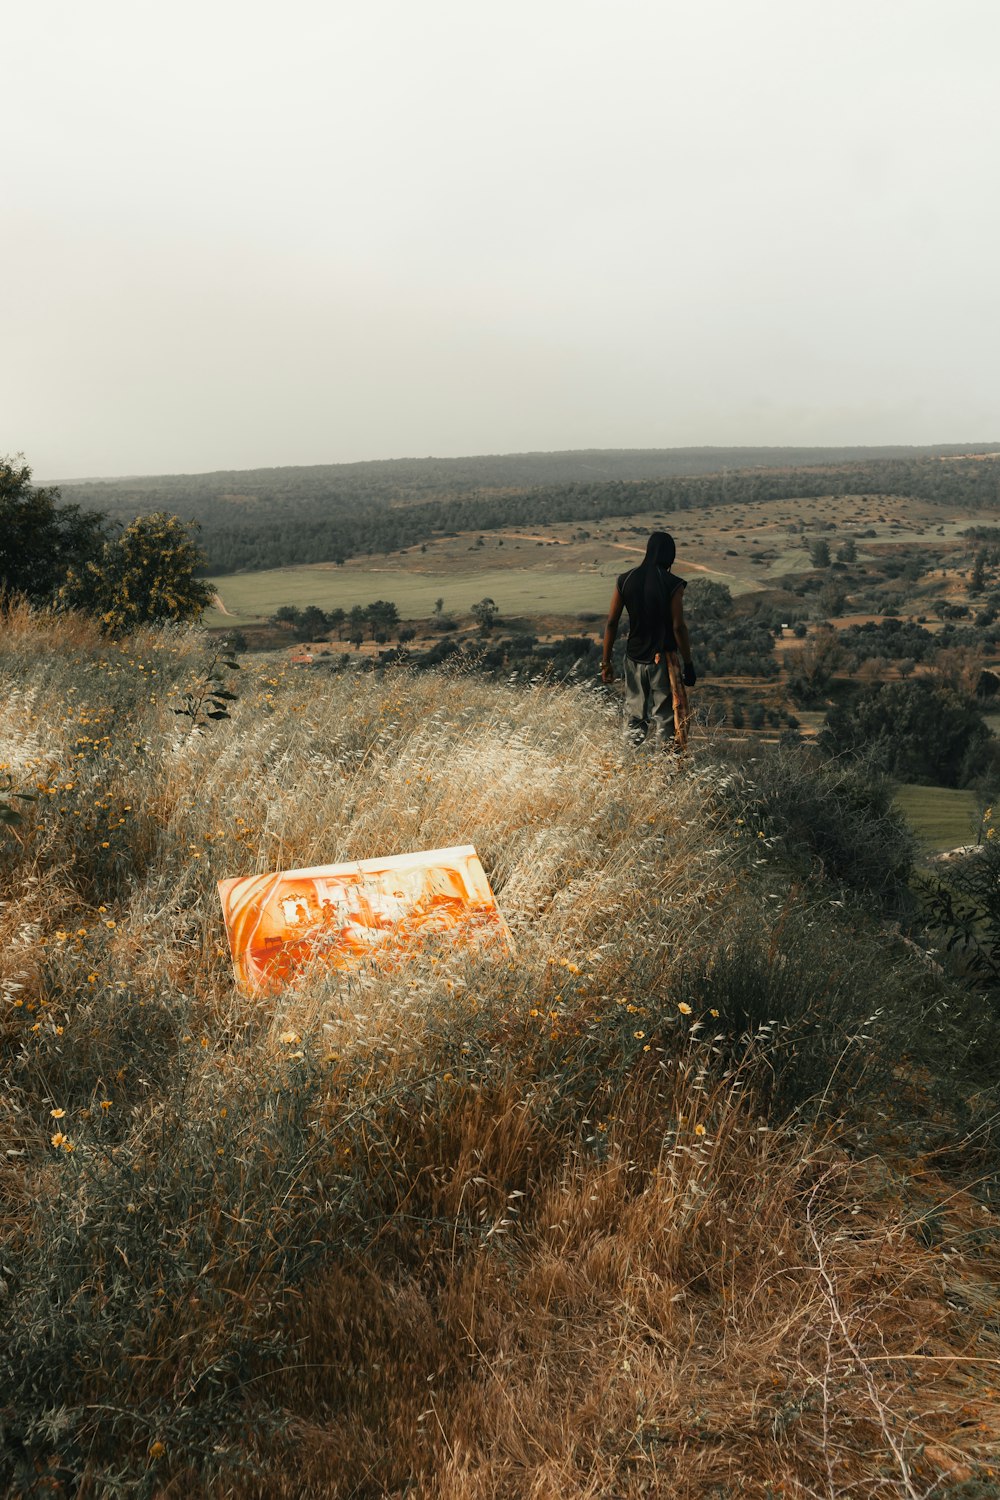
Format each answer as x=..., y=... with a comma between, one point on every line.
x=364, y=866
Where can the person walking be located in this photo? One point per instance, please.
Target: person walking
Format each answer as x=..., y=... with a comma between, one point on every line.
x=658, y=641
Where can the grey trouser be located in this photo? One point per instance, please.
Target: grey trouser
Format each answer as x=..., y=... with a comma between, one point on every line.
x=649, y=700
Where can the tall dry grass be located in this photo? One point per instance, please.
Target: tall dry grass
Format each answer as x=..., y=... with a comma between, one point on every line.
x=576, y=1222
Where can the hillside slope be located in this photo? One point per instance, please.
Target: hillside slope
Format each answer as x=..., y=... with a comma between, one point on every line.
x=262, y=518
x=442, y=476
x=673, y=1201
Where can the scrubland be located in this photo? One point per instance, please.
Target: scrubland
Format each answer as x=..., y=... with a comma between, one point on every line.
x=687, y=1196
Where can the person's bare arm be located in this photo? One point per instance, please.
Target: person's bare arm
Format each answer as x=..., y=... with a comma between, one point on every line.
x=680, y=626
x=610, y=632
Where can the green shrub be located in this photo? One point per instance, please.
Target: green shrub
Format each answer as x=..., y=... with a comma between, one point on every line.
x=961, y=907
x=826, y=818
x=913, y=730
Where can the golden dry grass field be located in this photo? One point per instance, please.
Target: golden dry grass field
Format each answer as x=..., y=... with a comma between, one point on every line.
x=665, y=1203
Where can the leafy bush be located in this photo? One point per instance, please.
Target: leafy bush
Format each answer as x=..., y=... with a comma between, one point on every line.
x=913, y=730
x=144, y=576
x=833, y=820
x=961, y=903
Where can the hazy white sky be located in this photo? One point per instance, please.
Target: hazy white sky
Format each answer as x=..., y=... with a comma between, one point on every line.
x=245, y=232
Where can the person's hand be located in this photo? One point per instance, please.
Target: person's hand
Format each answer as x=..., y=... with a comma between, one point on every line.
x=689, y=676
x=607, y=672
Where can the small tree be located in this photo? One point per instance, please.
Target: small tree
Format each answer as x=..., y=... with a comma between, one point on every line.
x=145, y=576
x=485, y=613
x=707, y=600
x=831, y=600
x=811, y=667
x=382, y=616
x=311, y=625
x=819, y=552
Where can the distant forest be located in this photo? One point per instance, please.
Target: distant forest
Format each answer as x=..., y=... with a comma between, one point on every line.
x=267, y=518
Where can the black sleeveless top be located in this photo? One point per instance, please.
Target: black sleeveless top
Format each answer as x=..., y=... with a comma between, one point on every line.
x=647, y=591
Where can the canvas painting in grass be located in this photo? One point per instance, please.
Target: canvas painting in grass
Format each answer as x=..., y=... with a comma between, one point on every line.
x=374, y=910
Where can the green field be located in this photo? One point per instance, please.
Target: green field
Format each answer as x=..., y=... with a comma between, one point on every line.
x=552, y=570
x=250, y=597
x=941, y=817
x=556, y=573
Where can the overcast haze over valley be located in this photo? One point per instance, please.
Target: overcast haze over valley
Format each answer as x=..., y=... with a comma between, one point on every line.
x=244, y=234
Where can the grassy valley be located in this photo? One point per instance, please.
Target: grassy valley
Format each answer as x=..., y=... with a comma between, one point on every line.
x=564, y=569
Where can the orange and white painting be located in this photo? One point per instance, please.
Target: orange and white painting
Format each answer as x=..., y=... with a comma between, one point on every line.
x=346, y=915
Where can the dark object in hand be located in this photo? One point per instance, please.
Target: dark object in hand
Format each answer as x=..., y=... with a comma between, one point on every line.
x=689, y=676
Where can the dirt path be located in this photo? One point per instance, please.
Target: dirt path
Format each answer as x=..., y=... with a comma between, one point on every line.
x=687, y=565
x=526, y=536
